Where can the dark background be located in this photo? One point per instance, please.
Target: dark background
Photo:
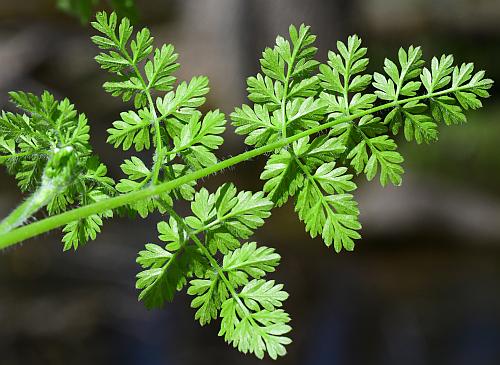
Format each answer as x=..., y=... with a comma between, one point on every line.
x=421, y=286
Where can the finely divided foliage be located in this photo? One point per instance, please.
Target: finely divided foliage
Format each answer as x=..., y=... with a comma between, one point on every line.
x=321, y=125
x=47, y=149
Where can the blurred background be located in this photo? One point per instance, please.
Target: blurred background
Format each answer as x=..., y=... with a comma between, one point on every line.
x=421, y=286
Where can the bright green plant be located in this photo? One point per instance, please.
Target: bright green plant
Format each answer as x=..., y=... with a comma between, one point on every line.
x=320, y=124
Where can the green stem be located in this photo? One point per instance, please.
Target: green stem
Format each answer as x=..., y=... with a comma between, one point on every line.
x=220, y=220
x=156, y=121
x=313, y=182
x=286, y=86
x=402, y=78
x=159, y=143
x=34, y=229
x=27, y=209
x=345, y=91
x=15, y=155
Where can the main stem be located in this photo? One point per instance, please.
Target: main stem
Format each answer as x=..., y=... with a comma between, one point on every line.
x=34, y=229
x=28, y=208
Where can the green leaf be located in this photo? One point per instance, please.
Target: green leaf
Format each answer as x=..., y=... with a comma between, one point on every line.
x=439, y=75
x=255, y=331
x=283, y=178
x=273, y=65
x=249, y=261
x=383, y=155
x=305, y=112
x=444, y=109
x=185, y=98
x=49, y=147
x=7, y=145
x=81, y=231
x=477, y=86
x=138, y=176
x=334, y=180
x=199, y=138
x=262, y=90
x=257, y=123
x=122, y=58
x=142, y=46
x=135, y=168
x=33, y=139
x=29, y=173
x=420, y=127
x=322, y=149
x=166, y=269
x=210, y=294
x=334, y=217
x=262, y=293
x=159, y=70
x=400, y=79
x=126, y=87
x=282, y=172
x=132, y=129
x=153, y=256
x=285, y=94
x=227, y=216
x=305, y=88
x=386, y=89
x=159, y=285
x=117, y=58
x=343, y=76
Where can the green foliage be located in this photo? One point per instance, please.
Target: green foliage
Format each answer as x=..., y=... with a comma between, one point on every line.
x=198, y=138
x=321, y=203
x=336, y=93
x=234, y=289
x=256, y=325
x=47, y=148
x=366, y=149
x=326, y=209
x=45, y=125
x=319, y=124
x=230, y=215
x=167, y=268
x=284, y=95
x=183, y=139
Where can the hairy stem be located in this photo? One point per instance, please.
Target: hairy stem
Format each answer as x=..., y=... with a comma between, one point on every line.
x=22, y=233
x=146, y=89
x=15, y=155
x=286, y=86
x=159, y=143
x=28, y=208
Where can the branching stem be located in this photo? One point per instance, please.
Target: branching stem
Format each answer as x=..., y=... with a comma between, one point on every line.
x=213, y=262
x=34, y=229
x=15, y=155
x=286, y=86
